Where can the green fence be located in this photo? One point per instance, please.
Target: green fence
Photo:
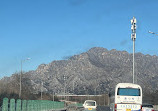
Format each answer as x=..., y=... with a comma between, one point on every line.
x=31, y=105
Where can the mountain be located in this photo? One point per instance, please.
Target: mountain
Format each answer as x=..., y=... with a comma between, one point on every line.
x=96, y=71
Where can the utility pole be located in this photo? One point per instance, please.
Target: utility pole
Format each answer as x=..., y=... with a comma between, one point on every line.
x=133, y=37
x=20, y=81
x=64, y=86
x=41, y=88
x=73, y=87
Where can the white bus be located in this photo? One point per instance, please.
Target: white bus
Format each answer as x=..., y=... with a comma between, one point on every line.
x=128, y=97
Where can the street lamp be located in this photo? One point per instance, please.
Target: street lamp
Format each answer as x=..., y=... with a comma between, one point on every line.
x=133, y=37
x=153, y=33
x=21, y=75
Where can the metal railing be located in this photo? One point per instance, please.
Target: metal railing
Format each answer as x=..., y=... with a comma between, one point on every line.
x=31, y=105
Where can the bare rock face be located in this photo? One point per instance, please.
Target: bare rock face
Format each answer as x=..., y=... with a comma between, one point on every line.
x=96, y=71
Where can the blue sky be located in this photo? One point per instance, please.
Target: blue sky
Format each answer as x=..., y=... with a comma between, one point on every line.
x=48, y=30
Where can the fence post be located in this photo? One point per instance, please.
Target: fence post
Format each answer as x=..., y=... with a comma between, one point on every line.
x=12, y=105
x=5, y=104
x=18, y=105
x=24, y=105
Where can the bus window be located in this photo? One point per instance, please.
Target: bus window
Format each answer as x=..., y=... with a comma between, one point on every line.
x=128, y=92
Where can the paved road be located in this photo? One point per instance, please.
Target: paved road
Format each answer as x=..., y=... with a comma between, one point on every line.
x=99, y=108
x=103, y=108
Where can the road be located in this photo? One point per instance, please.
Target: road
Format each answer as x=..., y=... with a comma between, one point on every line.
x=99, y=108
x=103, y=108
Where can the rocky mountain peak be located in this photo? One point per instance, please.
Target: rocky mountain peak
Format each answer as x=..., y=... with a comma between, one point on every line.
x=98, y=67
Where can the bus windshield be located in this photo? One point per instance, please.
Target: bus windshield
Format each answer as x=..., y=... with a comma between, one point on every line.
x=128, y=92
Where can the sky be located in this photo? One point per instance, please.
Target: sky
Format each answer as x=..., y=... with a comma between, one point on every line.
x=48, y=30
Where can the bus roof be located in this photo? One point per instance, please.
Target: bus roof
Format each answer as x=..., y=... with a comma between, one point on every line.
x=125, y=85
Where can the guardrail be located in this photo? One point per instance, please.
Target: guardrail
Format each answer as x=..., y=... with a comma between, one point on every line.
x=31, y=105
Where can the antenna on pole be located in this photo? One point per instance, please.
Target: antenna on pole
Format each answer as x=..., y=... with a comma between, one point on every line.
x=133, y=37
